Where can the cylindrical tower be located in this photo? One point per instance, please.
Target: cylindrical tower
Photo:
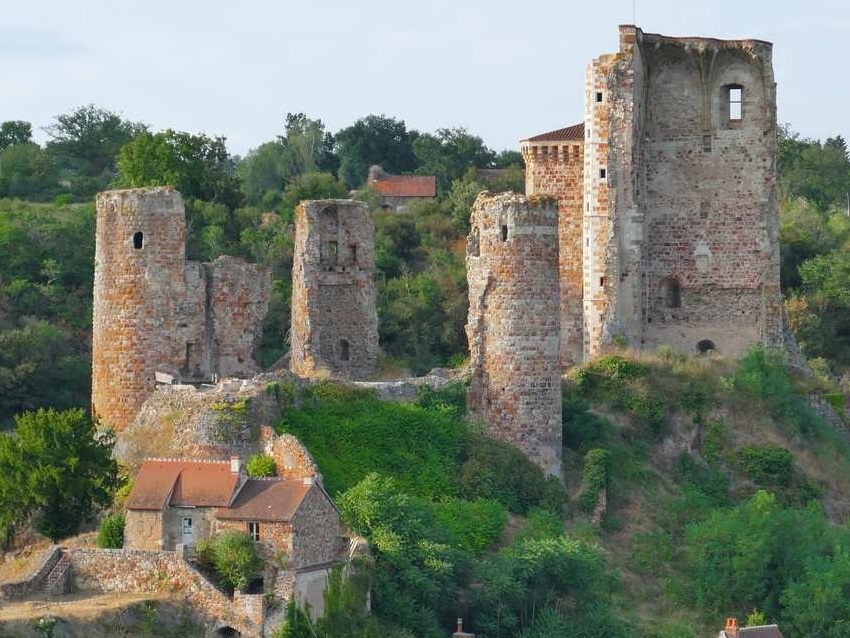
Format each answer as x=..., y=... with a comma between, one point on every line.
x=139, y=273
x=514, y=323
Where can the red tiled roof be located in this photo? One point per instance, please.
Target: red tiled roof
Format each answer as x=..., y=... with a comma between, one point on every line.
x=405, y=185
x=267, y=500
x=574, y=132
x=182, y=482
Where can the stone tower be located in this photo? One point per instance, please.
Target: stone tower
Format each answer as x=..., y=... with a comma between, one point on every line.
x=334, y=321
x=154, y=312
x=514, y=327
x=680, y=232
x=555, y=165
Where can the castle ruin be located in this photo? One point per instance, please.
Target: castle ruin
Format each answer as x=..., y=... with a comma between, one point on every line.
x=668, y=208
x=513, y=325
x=156, y=314
x=334, y=323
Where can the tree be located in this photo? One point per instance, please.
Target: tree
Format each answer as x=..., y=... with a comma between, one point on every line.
x=197, y=165
x=58, y=467
x=15, y=132
x=87, y=142
x=236, y=559
x=449, y=154
x=375, y=139
x=27, y=172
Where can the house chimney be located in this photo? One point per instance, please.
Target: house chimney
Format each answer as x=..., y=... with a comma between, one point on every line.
x=459, y=632
x=235, y=465
x=731, y=628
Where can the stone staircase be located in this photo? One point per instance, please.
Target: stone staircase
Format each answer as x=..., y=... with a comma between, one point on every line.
x=58, y=580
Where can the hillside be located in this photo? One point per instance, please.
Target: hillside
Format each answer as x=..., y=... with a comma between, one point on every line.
x=723, y=495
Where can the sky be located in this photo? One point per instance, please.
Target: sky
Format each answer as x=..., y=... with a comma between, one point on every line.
x=504, y=70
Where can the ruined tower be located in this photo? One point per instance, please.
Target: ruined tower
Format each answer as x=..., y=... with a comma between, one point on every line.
x=680, y=240
x=334, y=321
x=154, y=312
x=514, y=327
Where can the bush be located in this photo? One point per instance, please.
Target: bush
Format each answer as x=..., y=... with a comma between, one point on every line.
x=476, y=525
x=110, y=535
x=767, y=465
x=498, y=471
x=261, y=466
x=235, y=558
x=594, y=478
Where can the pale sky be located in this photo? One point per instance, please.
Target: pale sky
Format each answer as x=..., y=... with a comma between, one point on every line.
x=504, y=70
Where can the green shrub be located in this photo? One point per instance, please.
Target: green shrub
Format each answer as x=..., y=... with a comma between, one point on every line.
x=714, y=438
x=451, y=395
x=235, y=558
x=261, y=466
x=767, y=465
x=709, y=480
x=498, y=471
x=110, y=535
x=594, y=478
x=475, y=524
x=581, y=428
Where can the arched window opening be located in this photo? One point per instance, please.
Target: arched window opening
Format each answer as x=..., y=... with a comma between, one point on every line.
x=138, y=240
x=705, y=346
x=672, y=293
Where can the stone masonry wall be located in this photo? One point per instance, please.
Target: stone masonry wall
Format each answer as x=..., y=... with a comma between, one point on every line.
x=155, y=312
x=334, y=321
x=557, y=168
x=513, y=324
x=134, y=571
x=317, y=527
x=709, y=201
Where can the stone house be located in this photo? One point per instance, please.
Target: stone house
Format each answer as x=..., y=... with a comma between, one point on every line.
x=178, y=502
x=759, y=631
x=397, y=191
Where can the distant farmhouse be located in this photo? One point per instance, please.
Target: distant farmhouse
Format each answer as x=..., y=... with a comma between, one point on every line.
x=398, y=191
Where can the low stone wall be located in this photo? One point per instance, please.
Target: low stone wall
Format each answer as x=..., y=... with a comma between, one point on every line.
x=33, y=582
x=127, y=570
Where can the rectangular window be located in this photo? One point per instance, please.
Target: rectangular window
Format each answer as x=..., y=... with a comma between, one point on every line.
x=598, y=96
x=736, y=103
x=254, y=530
x=602, y=173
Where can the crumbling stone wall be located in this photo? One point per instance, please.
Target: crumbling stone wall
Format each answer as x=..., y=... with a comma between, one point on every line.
x=513, y=324
x=556, y=167
x=156, y=313
x=680, y=241
x=334, y=321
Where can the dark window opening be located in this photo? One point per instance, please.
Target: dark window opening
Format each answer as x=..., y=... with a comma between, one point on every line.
x=474, y=243
x=602, y=173
x=344, y=350
x=705, y=345
x=138, y=240
x=736, y=103
x=672, y=293
x=602, y=281
x=599, y=96
x=226, y=632
x=352, y=253
x=706, y=142
x=256, y=586
x=504, y=233
x=254, y=530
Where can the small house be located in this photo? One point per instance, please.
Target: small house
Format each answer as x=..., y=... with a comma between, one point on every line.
x=398, y=191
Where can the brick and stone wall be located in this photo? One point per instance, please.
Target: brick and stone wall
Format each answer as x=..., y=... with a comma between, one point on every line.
x=556, y=168
x=34, y=581
x=513, y=324
x=155, y=312
x=135, y=571
x=143, y=529
x=334, y=321
x=317, y=528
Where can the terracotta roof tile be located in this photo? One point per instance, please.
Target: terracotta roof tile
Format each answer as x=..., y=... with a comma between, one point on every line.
x=182, y=482
x=574, y=132
x=405, y=185
x=267, y=500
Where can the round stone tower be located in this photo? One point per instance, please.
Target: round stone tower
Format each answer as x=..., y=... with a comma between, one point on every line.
x=139, y=264
x=514, y=323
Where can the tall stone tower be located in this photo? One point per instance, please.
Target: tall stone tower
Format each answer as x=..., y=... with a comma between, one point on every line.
x=514, y=327
x=154, y=312
x=554, y=164
x=334, y=321
x=679, y=238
